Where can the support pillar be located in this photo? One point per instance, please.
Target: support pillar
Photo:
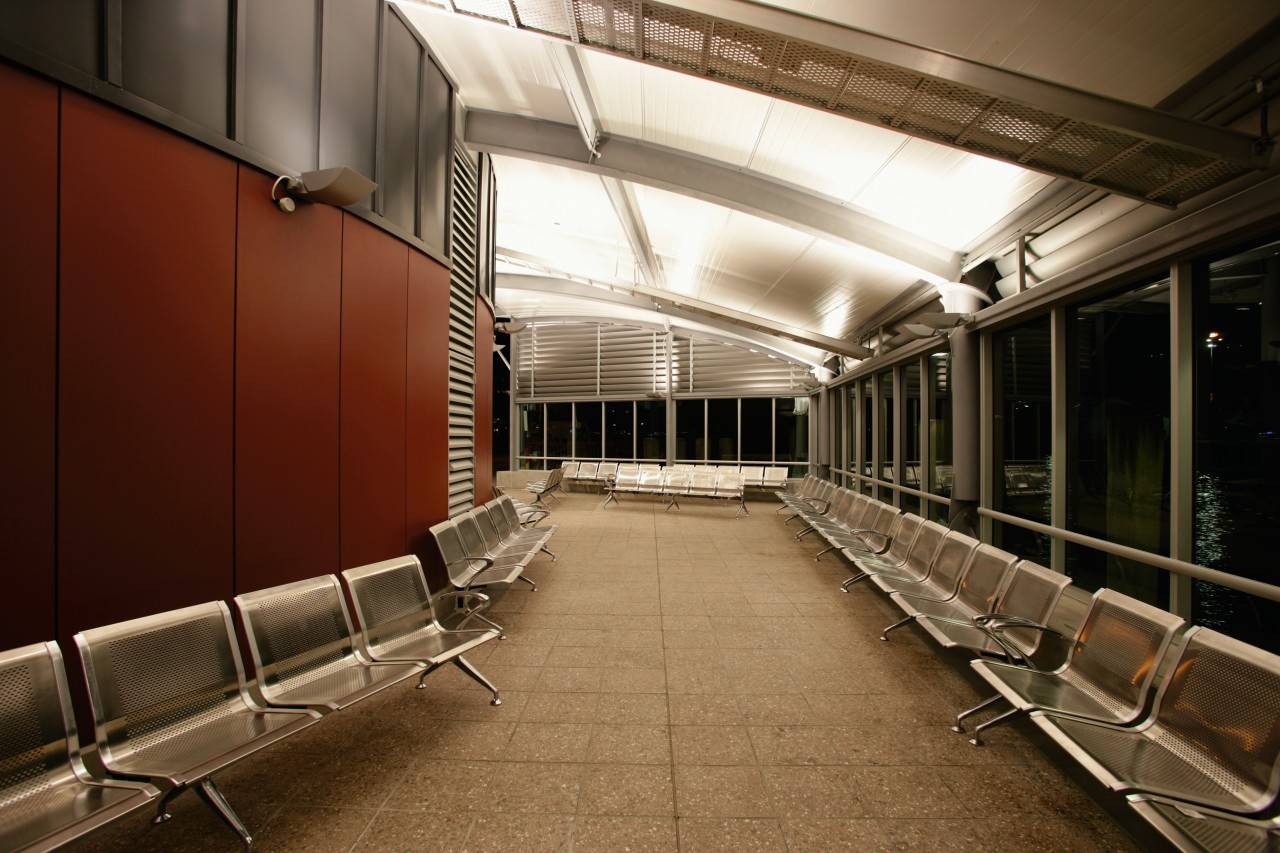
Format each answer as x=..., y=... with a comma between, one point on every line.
x=966, y=446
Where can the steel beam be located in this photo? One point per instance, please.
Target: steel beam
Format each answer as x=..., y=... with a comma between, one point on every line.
x=699, y=177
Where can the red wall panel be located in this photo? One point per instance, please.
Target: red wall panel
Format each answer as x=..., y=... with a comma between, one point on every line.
x=427, y=440
x=288, y=327
x=146, y=346
x=374, y=296
x=484, y=402
x=28, y=356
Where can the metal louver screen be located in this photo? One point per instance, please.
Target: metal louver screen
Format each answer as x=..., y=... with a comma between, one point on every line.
x=871, y=91
x=708, y=367
x=462, y=332
x=581, y=360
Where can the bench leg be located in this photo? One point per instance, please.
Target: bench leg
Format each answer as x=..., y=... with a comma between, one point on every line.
x=958, y=726
x=548, y=550
x=463, y=664
x=210, y=794
x=674, y=503
x=162, y=807
x=884, y=635
x=502, y=632
x=818, y=556
x=844, y=587
x=1000, y=720
x=742, y=507
x=529, y=581
x=612, y=496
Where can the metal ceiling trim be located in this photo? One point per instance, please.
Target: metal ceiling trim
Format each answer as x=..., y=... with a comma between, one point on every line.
x=928, y=94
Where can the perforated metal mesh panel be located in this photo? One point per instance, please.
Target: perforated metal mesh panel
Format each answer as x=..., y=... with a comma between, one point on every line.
x=24, y=762
x=1219, y=835
x=1118, y=649
x=1032, y=594
x=874, y=92
x=392, y=604
x=300, y=634
x=982, y=582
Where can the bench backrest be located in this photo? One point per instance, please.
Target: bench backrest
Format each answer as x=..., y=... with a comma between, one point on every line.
x=568, y=469
x=774, y=477
x=488, y=530
x=1118, y=648
x=928, y=540
x=605, y=470
x=702, y=482
x=628, y=469
x=393, y=604
x=650, y=466
x=651, y=481
x=148, y=677
x=472, y=537
x=1032, y=593
x=676, y=482
x=1221, y=698
x=729, y=484
x=586, y=470
x=753, y=475
x=458, y=561
x=627, y=479
x=297, y=632
x=951, y=561
x=987, y=573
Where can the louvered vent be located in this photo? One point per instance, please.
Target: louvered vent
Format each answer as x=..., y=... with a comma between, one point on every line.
x=464, y=240
x=709, y=367
x=871, y=91
x=586, y=360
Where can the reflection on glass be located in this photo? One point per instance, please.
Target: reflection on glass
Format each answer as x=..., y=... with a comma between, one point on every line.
x=722, y=430
x=618, y=432
x=885, y=469
x=757, y=429
x=651, y=429
x=1118, y=437
x=791, y=429
x=559, y=432
x=1023, y=434
x=691, y=444
x=867, y=446
x=1237, y=423
x=940, y=432
x=911, y=436
x=586, y=430
x=530, y=415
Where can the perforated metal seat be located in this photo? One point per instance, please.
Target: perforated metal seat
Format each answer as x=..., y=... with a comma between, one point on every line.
x=914, y=565
x=1107, y=675
x=753, y=475
x=171, y=703
x=674, y=484
x=399, y=622
x=774, y=478
x=980, y=583
x=47, y=796
x=729, y=487
x=510, y=526
x=1196, y=829
x=1014, y=627
x=468, y=569
x=870, y=534
x=1212, y=737
x=626, y=482
x=547, y=487
x=477, y=522
x=305, y=650
x=942, y=578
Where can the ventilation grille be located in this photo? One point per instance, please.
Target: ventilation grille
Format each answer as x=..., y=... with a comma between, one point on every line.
x=464, y=240
x=871, y=91
x=581, y=360
x=708, y=367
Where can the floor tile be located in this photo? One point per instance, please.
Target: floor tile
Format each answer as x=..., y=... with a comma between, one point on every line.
x=630, y=834
x=730, y=836
x=721, y=792
x=613, y=789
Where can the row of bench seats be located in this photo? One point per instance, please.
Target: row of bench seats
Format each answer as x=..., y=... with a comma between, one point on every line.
x=173, y=704
x=1198, y=757
x=599, y=473
x=674, y=484
x=492, y=544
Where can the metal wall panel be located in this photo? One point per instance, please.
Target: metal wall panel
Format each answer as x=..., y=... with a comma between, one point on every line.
x=437, y=135
x=69, y=31
x=175, y=55
x=400, y=155
x=280, y=81
x=349, y=86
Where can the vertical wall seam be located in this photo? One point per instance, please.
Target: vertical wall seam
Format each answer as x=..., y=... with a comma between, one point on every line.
x=235, y=378
x=57, y=356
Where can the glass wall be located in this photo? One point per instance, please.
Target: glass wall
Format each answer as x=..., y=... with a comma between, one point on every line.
x=886, y=431
x=691, y=429
x=619, y=429
x=911, y=436
x=1118, y=437
x=722, y=430
x=1022, y=435
x=940, y=471
x=624, y=430
x=651, y=429
x=757, y=429
x=791, y=432
x=1237, y=427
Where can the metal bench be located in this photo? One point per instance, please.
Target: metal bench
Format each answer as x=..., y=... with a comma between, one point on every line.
x=729, y=487
x=1196, y=829
x=626, y=482
x=495, y=545
x=871, y=534
x=913, y=565
x=473, y=541
x=942, y=578
x=1212, y=738
x=171, y=703
x=546, y=487
x=1107, y=675
x=774, y=478
x=399, y=619
x=511, y=526
x=47, y=796
x=466, y=568
x=1013, y=628
x=305, y=650
x=987, y=570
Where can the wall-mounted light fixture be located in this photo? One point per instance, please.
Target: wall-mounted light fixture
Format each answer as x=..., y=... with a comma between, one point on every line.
x=511, y=326
x=338, y=186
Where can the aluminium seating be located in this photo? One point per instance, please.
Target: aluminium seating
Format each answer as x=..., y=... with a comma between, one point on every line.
x=729, y=486
x=942, y=577
x=871, y=535
x=650, y=466
x=500, y=550
x=1013, y=628
x=605, y=472
x=476, y=545
x=48, y=797
x=753, y=476
x=306, y=652
x=524, y=529
x=468, y=569
x=839, y=503
x=1106, y=677
x=675, y=484
x=400, y=623
x=984, y=576
x=586, y=473
x=548, y=486
x=1212, y=738
x=915, y=558
x=774, y=478
x=171, y=703
x=624, y=483
x=1196, y=829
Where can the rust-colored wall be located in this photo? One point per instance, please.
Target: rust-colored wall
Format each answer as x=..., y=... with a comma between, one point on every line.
x=375, y=273
x=206, y=396
x=427, y=444
x=146, y=357
x=28, y=356
x=288, y=322
x=484, y=402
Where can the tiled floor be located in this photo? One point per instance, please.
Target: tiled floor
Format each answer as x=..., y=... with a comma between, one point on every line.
x=681, y=681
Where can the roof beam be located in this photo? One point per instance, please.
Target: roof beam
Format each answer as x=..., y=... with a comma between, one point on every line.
x=688, y=174
x=632, y=222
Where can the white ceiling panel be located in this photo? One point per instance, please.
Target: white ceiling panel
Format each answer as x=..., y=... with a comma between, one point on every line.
x=496, y=68
x=676, y=110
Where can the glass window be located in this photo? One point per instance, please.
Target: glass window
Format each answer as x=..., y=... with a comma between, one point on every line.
x=757, y=429
x=940, y=431
x=651, y=429
x=722, y=430
x=1118, y=437
x=619, y=431
x=586, y=430
x=791, y=429
x=887, y=427
x=867, y=446
x=1023, y=434
x=531, y=430
x=911, y=437
x=691, y=441
x=1237, y=450
x=559, y=432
